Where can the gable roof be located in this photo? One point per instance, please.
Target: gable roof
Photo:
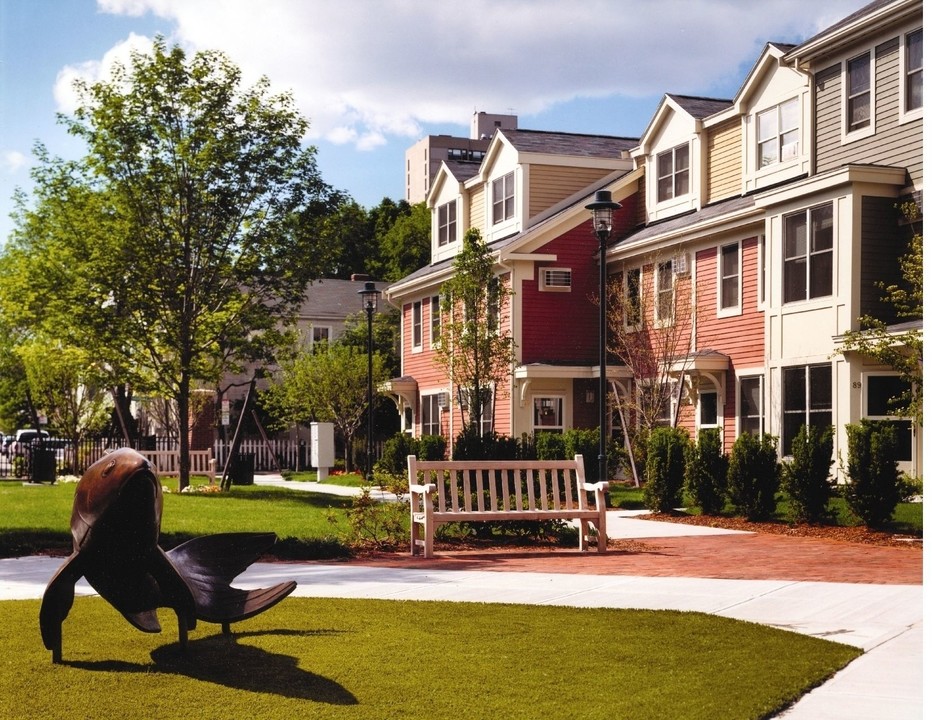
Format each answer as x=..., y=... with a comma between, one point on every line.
x=563, y=143
x=333, y=299
x=700, y=107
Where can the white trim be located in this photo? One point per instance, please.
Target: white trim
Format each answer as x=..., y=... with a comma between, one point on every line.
x=419, y=304
x=848, y=136
x=544, y=286
x=544, y=395
x=750, y=374
x=659, y=321
x=907, y=116
x=721, y=311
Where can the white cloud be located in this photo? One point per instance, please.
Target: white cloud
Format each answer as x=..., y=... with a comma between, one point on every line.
x=12, y=161
x=363, y=71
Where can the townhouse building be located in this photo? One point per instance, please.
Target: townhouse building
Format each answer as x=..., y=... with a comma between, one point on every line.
x=753, y=232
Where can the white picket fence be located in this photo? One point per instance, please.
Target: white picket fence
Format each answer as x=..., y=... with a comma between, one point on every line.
x=284, y=451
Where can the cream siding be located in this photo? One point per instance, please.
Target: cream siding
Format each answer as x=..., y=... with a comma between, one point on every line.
x=724, y=164
x=552, y=184
x=477, y=209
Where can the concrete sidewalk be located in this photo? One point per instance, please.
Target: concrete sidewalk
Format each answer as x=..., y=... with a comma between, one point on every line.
x=885, y=620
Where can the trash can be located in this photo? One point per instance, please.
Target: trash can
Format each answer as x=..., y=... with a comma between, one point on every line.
x=243, y=469
x=42, y=464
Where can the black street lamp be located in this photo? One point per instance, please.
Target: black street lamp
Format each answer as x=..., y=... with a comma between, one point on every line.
x=602, y=208
x=370, y=302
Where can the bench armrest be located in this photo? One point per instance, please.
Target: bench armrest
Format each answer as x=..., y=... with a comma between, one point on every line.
x=423, y=489
x=598, y=487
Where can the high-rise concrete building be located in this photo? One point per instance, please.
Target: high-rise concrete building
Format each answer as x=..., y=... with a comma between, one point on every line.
x=422, y=160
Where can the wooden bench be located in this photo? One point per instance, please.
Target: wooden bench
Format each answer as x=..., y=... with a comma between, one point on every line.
x=496, y=491
x=167, y=463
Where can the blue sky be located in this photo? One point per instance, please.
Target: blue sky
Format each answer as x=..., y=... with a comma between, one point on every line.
x=374, y=76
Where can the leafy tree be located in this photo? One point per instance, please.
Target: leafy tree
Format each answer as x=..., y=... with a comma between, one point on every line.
x=186, y=236
x=898, y=348
x=347, y=234
x=474, y=347
x=326, y=384
x=405, y=245
x=66, y=384
x=385, y=336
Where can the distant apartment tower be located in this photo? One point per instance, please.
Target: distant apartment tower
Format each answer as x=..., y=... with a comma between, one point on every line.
x=422, y=160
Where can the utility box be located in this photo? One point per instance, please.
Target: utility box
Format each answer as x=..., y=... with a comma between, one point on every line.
x=322, y=451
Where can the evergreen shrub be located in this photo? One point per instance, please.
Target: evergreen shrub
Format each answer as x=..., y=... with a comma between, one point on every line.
x=805, y=477
x=706, y=472
x=666, y=467
x=873, y=488
x=754, y=476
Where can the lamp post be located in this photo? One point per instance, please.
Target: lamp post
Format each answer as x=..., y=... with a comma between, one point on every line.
x=370, y=301
x=602, y=208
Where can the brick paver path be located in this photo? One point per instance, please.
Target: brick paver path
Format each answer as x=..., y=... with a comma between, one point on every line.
x=757, y=556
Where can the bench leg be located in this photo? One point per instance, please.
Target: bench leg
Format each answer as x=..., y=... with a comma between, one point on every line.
x=583, y=535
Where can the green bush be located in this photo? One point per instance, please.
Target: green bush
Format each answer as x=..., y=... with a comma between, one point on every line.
x=754, y=476
x=666, y=467
x=432, y=447
x=394, y=460
x=805, y=477
x=706, y=472
x=470, y=445
x=550, y=446
x=873, y=488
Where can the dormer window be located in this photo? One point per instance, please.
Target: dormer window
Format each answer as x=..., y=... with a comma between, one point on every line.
x=503, y=198
x=673, y=173
x=778, y=134
x=446, y=223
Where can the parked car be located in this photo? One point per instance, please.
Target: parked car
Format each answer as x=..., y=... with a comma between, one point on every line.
x=23, y=439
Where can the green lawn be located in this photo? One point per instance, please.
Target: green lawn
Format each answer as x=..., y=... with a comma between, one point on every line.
x=308, y=524
x=373, y=660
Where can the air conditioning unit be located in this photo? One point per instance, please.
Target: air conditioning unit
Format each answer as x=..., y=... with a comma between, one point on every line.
x=443, y=401
x=681, y=264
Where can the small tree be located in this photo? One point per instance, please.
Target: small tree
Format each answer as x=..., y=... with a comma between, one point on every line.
x=474, y=348
x=806, y=478
x=706, y=472
x=666, y=468
x=872, y=491
x=754, y=475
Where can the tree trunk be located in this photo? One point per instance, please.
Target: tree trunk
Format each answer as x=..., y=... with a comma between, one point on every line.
x=184, y=459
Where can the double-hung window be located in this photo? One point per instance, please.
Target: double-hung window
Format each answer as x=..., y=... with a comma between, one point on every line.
x=750, y=417
x=912, y=72
x=808, y=242
x=416, y=326
x=664, y=292
x=729, y=276
x=885, y=393
x=807, y=400
x=858, y=92
x=430, y=414
x=503, y=198
x=446, y=223
x=435, y=321
x=673, y=173
x=633, y=298
x=548, y=414
x=778, y=134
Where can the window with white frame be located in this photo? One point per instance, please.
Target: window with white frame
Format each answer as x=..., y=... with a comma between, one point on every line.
x=416, y=325
x=548, y=413
x=503, y=198
x=807, y=400
x=708, y=409
x=431, y=414
x=751, y=401
x=778, y=134
x=435, y=321
x=729, y=276
x=633, y=297
x=808, y=242
x=663, y=293
x=656, y=400
x=446, y=223
x=912, y=71
x=556, y=279
x=487, y=422
x=859, y=83
x=318, y=334
x=882, y=394
x=673, y=173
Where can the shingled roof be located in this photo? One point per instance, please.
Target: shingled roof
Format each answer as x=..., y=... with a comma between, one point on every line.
x=700, y=107
x=560, y=143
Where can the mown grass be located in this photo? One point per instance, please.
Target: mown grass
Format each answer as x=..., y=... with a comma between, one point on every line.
x=308, y=524
x=372, y=660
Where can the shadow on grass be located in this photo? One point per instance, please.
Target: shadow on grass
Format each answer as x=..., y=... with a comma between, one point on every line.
x=242, y=493
x=224, y=660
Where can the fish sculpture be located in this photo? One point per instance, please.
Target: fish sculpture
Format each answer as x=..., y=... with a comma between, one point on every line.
x=115, y=524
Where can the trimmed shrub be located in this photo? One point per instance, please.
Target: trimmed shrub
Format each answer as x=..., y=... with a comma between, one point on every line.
x=666, y=466
x=470, y=445
x=706, y=472
x=754, y=476
x=395, y=454
x=873, y=488
x=432, y=447
x=805, y=477
x=549, y=446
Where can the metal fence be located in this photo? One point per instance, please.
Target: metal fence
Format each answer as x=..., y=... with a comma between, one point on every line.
x=26, y=459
